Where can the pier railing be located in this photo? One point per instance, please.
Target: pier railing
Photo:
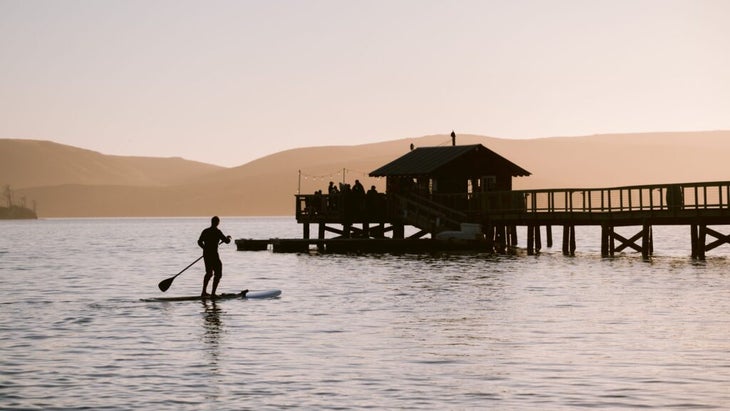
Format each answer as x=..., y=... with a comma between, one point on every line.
x=657, y=197
x=660, y=197
x=325, y=207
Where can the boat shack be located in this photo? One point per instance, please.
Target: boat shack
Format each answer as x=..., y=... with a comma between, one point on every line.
x=433, y=189
x=442, y=188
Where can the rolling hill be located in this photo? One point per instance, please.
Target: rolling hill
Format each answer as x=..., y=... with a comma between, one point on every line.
x=31, y=163
x=67, y=181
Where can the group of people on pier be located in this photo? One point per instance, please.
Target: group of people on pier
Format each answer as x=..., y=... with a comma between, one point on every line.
x=350, y=200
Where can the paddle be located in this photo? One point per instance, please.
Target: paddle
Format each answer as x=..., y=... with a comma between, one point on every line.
x=165, y=284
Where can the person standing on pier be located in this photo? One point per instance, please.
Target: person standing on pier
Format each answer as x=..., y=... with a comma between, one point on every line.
x=208, y=241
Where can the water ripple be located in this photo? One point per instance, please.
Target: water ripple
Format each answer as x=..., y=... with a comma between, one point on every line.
x=457, y=331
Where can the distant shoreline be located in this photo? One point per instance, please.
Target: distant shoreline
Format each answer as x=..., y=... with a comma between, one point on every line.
x=17, y=213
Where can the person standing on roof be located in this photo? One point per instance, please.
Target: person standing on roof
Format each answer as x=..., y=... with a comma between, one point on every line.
x=208, y=241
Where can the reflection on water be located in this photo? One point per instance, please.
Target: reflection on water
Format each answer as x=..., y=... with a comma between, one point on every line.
x=212, y=335
x=409, y=331
x=213, y=329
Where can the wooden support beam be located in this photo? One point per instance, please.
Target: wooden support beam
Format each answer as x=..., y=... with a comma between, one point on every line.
x=512, y=241
x=646, y=241
x=651, y=242
x=320, y=235
x=398, y=231
x=380, y=231
x=721, y=239
x=606, y=250
x=500, y=239
x=418, y=235
x=610, y=241
x=347, y=230
x=549, y=235
x=627, y=243
x=701, y=241
x=568, y=240
x=698, y=235
x=350, y=231
x=489, y=236
x=355, y=232
x=534, y=243
x=572, y=240
x=694, y=239
x=332, y=230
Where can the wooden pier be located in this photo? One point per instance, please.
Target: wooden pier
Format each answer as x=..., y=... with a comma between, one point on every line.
x=697, y=205
x=462, y=197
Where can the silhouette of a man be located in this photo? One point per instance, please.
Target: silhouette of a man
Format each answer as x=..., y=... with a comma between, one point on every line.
x=358, y=188
x=208, y=241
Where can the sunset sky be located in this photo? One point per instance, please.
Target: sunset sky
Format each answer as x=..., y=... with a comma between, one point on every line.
x=226, y=82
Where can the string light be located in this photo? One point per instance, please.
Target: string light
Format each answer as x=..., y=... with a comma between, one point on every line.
x=340, y=176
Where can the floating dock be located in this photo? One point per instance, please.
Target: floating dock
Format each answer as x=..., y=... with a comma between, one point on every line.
x=360, y=245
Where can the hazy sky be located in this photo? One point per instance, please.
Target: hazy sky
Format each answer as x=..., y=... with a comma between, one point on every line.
x=226, y=82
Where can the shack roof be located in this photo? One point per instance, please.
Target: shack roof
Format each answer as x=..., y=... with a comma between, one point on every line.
x=471, y=159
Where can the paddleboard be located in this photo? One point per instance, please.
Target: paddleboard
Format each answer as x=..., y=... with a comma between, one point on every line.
x=224, y=296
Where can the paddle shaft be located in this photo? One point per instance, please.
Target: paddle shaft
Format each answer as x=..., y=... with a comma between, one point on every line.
x=191, y=264
x=165, y=284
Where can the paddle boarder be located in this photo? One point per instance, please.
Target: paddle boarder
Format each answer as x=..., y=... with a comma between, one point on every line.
x=208, y=241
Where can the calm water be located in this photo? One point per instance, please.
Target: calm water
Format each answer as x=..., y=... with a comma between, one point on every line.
x=376, y=331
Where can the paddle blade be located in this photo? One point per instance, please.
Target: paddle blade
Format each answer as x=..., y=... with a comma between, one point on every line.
x=165, y=284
